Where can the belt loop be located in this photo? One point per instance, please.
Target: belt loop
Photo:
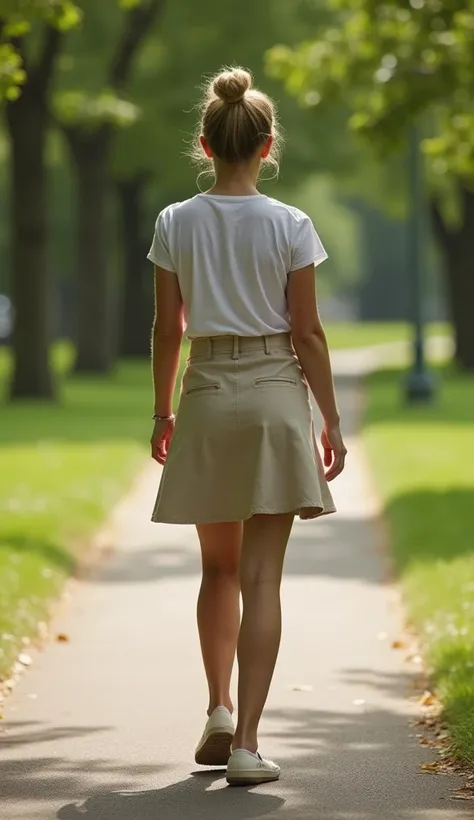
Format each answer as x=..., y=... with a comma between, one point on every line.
x=210, y=347
x=235, y=347
x=267, y=346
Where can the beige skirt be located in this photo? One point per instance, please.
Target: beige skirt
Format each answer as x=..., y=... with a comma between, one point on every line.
x=244, y=440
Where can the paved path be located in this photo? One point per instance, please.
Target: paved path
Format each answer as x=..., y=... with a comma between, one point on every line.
x=103, y=727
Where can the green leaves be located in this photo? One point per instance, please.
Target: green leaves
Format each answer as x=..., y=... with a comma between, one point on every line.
x=65, y=15
x=17, y=17
x=79, y=108
x=21, y=12
x=12, y=74
x=390, y=62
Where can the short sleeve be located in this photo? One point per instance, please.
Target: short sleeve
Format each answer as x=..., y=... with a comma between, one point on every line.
x=307, y=248
x=159, y=252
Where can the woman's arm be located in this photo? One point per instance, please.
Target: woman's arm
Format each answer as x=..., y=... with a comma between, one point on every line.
x=166, y=341
x=311, y=348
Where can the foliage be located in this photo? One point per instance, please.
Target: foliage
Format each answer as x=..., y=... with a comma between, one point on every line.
x=16, y=20
x=12, y=73
x=391, y=62
x=77, y=107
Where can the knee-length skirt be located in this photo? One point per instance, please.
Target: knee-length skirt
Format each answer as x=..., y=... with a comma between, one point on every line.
x=244, y=441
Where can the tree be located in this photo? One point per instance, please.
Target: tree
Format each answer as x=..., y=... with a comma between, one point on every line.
x=27, y=118
x=392, y=63
x=137, y=290
x=90, y=122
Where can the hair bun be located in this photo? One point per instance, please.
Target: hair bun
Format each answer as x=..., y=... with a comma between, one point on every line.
x=231, y=86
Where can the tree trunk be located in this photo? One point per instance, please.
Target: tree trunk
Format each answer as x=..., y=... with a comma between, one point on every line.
x=96, y=347
x=460, y=286
x=137, y=306
x=458, y=251
x=27, y=120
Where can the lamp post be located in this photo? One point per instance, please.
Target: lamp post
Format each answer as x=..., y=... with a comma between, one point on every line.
x=419, y=384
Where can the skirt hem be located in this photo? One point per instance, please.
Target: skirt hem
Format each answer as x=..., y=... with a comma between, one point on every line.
x=299, y=511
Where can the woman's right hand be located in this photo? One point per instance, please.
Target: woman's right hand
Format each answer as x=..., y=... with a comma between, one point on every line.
x=161, y=439
x=334, y=451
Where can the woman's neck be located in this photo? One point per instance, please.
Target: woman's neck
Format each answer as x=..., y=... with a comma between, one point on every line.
x=240, y=180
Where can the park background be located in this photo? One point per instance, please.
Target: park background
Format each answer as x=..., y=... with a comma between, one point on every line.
x=98, y=109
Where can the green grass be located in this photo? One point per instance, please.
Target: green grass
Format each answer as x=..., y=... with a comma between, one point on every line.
x=423, y=462
x=62, y=468
x=365, y=334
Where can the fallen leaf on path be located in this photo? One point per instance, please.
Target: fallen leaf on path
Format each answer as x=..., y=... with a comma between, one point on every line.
x=427, y=699
x=62, y=638
x=464, y=793
x=24, y=659
x=426, y=722
x=398, y=644
x=433, y=768
x=434, y=743
x=426, y=741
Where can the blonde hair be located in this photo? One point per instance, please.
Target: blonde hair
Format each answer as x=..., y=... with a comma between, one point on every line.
x=236, y=120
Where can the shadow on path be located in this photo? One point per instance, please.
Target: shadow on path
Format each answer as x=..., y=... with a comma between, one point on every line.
x=336, y=765
x=322, y=548
x=188, y=799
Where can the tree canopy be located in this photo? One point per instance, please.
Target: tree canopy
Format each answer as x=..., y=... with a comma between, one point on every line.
x=16, y=19
x=391, y=62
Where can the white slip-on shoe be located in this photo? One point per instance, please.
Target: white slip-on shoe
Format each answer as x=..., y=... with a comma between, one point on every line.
x=214, y=747
x=247, y=769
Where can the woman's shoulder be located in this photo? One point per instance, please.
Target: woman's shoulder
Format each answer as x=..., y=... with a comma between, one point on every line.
x=174, y=208
x=288, y=212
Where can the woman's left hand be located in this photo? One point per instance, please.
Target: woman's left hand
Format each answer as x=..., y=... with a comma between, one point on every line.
x=161, y=439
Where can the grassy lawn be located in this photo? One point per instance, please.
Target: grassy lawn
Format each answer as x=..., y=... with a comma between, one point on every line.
x=62, y=468
x=364, y=334
x=423, y=460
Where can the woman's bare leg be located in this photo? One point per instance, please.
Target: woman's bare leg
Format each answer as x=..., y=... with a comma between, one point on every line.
x=264, y=544
x=218, y=609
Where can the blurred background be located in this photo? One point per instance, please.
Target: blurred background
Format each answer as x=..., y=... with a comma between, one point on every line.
x=92, y=146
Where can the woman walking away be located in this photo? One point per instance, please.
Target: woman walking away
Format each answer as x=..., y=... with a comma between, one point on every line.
x=237, y=269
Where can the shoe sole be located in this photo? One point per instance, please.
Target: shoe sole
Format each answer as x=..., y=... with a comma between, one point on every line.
x=215, y=751
x=250, y=779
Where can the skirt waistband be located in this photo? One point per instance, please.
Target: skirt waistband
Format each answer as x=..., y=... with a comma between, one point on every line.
x=236, y=345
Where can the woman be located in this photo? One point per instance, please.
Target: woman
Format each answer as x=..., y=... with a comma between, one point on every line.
x=240, y=459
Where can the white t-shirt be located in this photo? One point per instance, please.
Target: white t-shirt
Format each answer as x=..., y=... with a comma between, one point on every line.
x=232, y=256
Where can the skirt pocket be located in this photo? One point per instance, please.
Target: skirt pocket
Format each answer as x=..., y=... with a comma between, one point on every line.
x=202, y=388
x=274, y=381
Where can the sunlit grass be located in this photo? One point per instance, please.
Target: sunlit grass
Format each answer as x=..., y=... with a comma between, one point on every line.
x=63, y=467
x=365, y=334
x=423, y=462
